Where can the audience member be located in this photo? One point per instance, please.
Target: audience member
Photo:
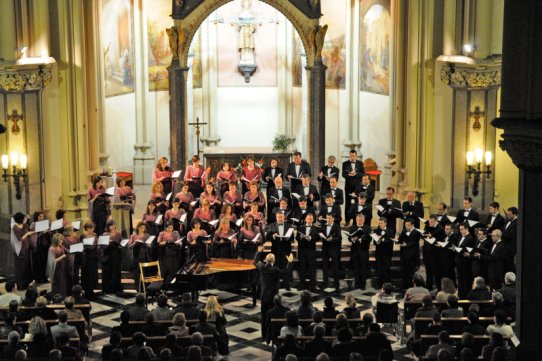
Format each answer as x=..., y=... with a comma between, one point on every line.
x=194, y=353
x=138, y=339
x=480, y=291
x=318, y=344
x=278, y=311
x=187, y=307
x=317, y=319
x=43, y=311
x=12, y=346
x=179, y=328
x=341, y=323
x=351, y=310
x=375, y=342
x=435, y=327
x=305, y=308
x=20, y=355
x=197, y=340
x=68, y=352
x=125, y=329
x=341, y=350
x=322, y=357
x=11, y=289
x=500, y=325
x=418, y=291
x=453, y=307
x=366, y=320
x=288, y=347
x=151, y=327
x=329, y=310
x=496, y=340
x=472, y=326
x=9, y=326
x=114, y=342
x=509, y=291
x=447, y=288
x=292, y=325
x=427, y=309
x=139, y=310
x=63, y=327
x=35, y=326
x=497, y=303
x=171, y=345
x=162, y=312
x=30, y=296
x=443, y=344
x=41, y=345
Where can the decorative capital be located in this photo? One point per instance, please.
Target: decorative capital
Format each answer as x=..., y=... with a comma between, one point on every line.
x=17, y=78
x=471, y=76
x=522, y=140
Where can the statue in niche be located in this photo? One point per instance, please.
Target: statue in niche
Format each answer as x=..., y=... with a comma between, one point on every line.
x=173, y=36
x=246, y=26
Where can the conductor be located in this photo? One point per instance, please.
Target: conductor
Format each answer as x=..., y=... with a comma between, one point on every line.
x=269, y=281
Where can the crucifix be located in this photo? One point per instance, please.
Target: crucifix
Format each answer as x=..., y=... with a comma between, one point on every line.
x=477, y=114
x=197, y=125
x=15, y=117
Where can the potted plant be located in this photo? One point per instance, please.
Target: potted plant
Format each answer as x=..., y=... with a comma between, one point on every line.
x=282, y=142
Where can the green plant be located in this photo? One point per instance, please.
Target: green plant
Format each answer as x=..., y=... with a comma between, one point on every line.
x=281, y=142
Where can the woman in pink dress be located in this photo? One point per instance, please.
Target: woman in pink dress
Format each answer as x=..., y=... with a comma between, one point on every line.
x=227, y=212
x=58, y=266
x=198, y=242
x=74, y=259
x=206, y=215
x=112, y=260
x=125, y=194
x=248, y=243
x=195, y=176
x=258, y=216
x=251, y=173
x=253, y=195
x=99, y=205
x=169, y=252
x=140, y=250
x=185, y=197
x=91, y=259
x=21, y=246
x=224, y=177
x=224, y=240
x=234, y=198
x=174, y=214
x=162, y=173
x=159, y=197
x=213, y=197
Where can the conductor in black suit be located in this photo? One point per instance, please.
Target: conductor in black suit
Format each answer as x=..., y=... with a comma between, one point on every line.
x=271, y=173
x=331, y=249
x=496, y=258
x=409, y=240
x=510, y=238
x=392, y=209
x=296, y=169
x=413, y=209
x=307, y=235
x=352, y=172
x=281, y=245
x=326, y=172
x=463, y=262
x=494, y=219
x=269, y=282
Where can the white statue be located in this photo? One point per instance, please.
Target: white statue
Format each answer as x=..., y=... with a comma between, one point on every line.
x=246, y=27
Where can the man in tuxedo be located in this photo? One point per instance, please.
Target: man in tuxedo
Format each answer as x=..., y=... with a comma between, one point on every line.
x=281, y=246
x=362, y=207
x=409, y=240
x=462, y=261
x=275, y=194
x=301, y=211
x=467, y=214
x=360, y=239
x=482, y=247
x=391, y=209
x=352, y=171
x=330, y=207
x=326, y=172
x=496, y=258
x=269, y=282
x=330, y=234
x=442, y=215
x=296, y=169
x=494, y=219
x=308, y=190
x=337, y=193
x=281, y=207
x=510, y=238
x=413, y=209
x=366, y=187
x=271, y=173
x=383, y=251
x=307, y=235
x=433, y=233
x=447, y=253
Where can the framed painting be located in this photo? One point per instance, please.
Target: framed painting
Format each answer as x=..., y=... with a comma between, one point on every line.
x=334, y=50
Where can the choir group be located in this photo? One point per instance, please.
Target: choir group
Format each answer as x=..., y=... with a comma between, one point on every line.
x=192, y=216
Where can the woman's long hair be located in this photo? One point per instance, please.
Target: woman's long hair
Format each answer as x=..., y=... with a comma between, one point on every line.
x=212, y=307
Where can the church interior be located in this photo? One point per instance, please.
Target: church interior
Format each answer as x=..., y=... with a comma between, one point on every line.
x=439, y=100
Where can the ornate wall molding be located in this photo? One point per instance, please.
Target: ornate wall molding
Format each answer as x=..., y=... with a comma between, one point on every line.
x=19, y=78
x=471, y=75
x=522, y=140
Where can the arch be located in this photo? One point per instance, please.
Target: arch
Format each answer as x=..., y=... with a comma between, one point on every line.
x=188, y=26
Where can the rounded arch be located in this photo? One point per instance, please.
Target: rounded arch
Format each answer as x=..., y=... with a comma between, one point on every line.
x=188, y=26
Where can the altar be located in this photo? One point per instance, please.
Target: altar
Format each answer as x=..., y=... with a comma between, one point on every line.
x=237, y=157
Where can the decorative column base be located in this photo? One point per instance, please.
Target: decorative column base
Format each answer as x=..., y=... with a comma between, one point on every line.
x=210, y=141
x=349, y=145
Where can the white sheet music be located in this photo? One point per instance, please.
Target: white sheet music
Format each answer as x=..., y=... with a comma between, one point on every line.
x=76, y=248
x=103, y=240
x=59, y=223
x=42, y=226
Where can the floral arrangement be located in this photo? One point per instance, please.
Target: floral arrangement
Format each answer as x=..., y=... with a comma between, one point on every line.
x=281, y=142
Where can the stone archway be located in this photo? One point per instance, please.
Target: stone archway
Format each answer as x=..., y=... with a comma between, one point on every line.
x=188, y=15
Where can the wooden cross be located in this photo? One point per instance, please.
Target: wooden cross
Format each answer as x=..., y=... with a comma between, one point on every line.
x=15, y=117
x=197, y=125
x=477, y=114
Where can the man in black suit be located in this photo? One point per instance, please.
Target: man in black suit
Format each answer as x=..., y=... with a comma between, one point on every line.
x=391, y=209
x=307, y=235
x=352, y=171
x=278, y=311
x=383, y=251
x=359, y=236
x=283, y=207
x=413, y=209
x=510, y=238
x=494, y=219
x=306, y=189
x=275, y=194
x=330, y=233
x=296, y=169
x=326, y=172
x=299, y=214
x=433, y=233
x=337, y=193
x=482, y=247
x=281, y=239
x=362, y=207
x=447, y=253
x=467, y=214
x=366, y=187
x=463, y=262
x=442, y=215
x=496, y=258
x=409, y=240
x=328, y=206
x=269, y=283
x=271, y=173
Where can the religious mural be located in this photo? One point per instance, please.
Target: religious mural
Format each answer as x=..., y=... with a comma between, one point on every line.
x=158, y=20
x=118, y=46
x=297, y=67
x=375, y=30
x=246, y=39
x=334, y=50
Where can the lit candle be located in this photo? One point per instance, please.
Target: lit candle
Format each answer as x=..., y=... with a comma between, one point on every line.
x=5, y=161
x=479, y=154
x=489, y=158
x=24, y=161
x=470, y=158
x=14, y=157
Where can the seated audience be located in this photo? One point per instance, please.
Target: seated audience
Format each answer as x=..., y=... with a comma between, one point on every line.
x=443, y=344
x=305, y=308
x=497, y=303
x=496, y=340
x=289, y=346
x=151, y=327
x=179, y=328
x=125, y=329
x=187, y=307
x=318, y=344
x=12, y=346
x=427, y=309
x=366, y=320
x=341, y=323
x=351, y=310
x=292, y=325
x=171, y=345
x=133, y=352
x=480, y=291
x=375, y=342
x=9, y=326
x=162, y=312
x=447, y=288
x=114, y=342
x=43, y=311
x=6, y=298
x=435, y=327
x=63, y=327
x=473, y=326
x=329, y=310
x=453, y=307
x=41, y=345
x=342, y=349
x=500, y=325
x=317, y=319
x=509, y=292
x=68, y=352
x=197, y=340
x=139, y=310
x=418, y=291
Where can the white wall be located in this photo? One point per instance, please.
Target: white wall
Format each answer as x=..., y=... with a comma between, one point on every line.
x=375, y=128
x=158, y=110
x=120, y=131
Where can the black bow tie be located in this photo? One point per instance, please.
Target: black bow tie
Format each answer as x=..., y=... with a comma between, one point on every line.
x=333, y=189
x=279, y=189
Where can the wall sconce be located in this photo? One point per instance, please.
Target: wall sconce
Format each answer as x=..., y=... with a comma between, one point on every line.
x=18, y=163
x=476, y=170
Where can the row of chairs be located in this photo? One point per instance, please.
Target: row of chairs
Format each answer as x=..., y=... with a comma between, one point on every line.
x=155, y=342
x=30, y=310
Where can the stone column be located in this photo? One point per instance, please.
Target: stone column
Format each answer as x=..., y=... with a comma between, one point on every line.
x=177, y=113
x=521, y=120
x=317, y=114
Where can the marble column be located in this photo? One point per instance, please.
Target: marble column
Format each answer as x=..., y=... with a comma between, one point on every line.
x=177, y=114
x=317, y=114
x=521, y=120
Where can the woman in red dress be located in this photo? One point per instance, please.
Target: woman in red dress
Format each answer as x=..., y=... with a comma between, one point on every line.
x=213, y=197
x=224, y=240
x=125, y=194
x=58, y=266
x=258, y=216
x=251, y=173
x=234, y=198
x=140, y=250
x=206, y=215
x=169, y=252
x=224, y=177
x=198, y=242
x=174, y=214
x=195, y=175
x=162, y=173
x=253, y=195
